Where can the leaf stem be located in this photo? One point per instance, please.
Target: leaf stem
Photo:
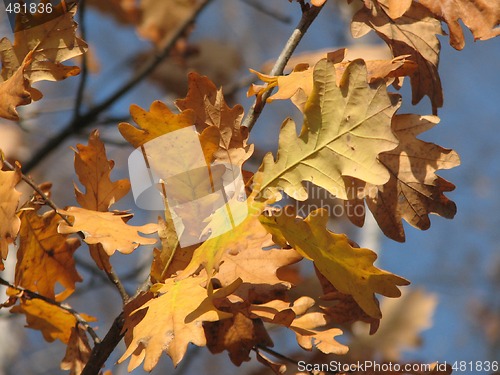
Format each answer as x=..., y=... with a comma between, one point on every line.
x=309, y=14
x=33, y=295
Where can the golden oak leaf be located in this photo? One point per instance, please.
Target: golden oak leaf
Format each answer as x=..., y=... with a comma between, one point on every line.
x=93, y=169
x=415, y=34
x=108, y=229
x=52, y=321
x=158, y=121
x=77, y=352
x=212, y=111
x=414, y=190
x=51, y=43
x=349, y=269
x=165, y=321
x=45, y=257
x=482, y=17
x=396, y=8
x=345, y=128
x=14, y=92
x=298, y=85
x=9, y=222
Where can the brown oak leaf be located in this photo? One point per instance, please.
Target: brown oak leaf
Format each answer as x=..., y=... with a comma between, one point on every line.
x=77, y=352
x=15, y=91
x=415, y=34
x=45, y=257
x=482, y=17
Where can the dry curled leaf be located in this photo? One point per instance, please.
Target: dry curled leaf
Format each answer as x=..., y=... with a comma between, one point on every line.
x=482, y=17
x=14, y=91
x=108, y=229
x=415, y=34
x=414, y=190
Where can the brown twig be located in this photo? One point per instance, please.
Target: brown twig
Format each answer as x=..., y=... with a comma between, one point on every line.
x=263, y=8
x=33, y=295
x=309, y=14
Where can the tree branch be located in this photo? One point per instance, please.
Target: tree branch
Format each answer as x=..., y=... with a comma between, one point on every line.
x=85, y=68
x=102, y=351
x=309, y=14
x=84, y=120
x=33, y=295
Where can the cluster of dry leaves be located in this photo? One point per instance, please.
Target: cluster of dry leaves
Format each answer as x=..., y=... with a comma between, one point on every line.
x=226, y=292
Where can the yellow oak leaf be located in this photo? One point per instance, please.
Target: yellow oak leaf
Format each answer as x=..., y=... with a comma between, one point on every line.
x=415, y=34
x=108, y=229
x=414, y=190
x=349, y=269
x=298, y=85
x=15, y=91
x=77, y=352
x=9, y=222
x=158, y=121
x=51, y=43
x=345, y=128
x=480, y=16
x=45, y=257
x=165, y=320
x=93, y=169
x=52, y=321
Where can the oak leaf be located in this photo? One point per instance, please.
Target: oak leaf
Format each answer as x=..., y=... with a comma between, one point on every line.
x=52, y=321
x=51, y=43
x=165, y=321
x=9, y=221
x=349, y=269
x=14, y=91
x=396, y=8
x=298, y=85
x=415, y=34
x=212, y=111
x=482, y=17
x=345, y=128
x=414, y=190
x=93, y=169
x=159, y=120
x=45, y=257
x=77, y=352
x=108, y=229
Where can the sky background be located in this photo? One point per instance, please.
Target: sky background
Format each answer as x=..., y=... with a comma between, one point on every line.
x=457, y=260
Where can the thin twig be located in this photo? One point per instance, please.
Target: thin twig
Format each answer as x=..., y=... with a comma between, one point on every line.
x=112, y=276
x=85, y=68
x=261, y=7
x=84, y=120
x=309, y=14
x=35, y=187
x=33, y=295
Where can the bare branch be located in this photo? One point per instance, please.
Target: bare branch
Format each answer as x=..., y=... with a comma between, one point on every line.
x=309, y=14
